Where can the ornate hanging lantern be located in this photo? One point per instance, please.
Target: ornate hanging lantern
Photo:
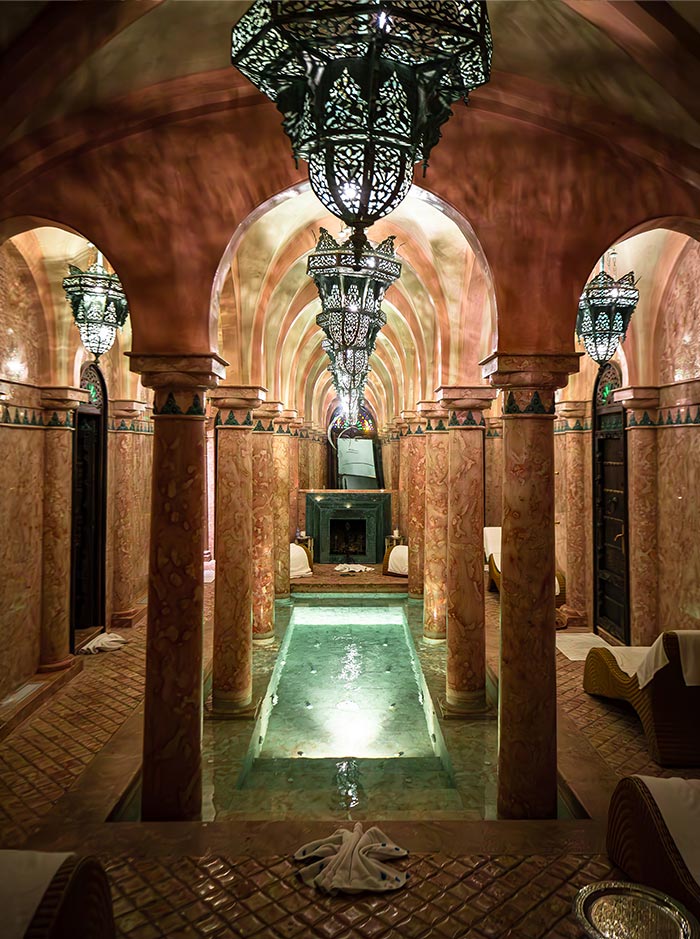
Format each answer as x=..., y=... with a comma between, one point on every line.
x=363, y=87
x=604, y=311
x=351, y=291
x=99, y=305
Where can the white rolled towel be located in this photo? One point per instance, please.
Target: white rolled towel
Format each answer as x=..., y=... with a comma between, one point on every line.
x=352, y=862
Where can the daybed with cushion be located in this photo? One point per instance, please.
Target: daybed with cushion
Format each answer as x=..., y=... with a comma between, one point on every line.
x=654, y=835
x=492, y=553
x=395, y=562
x=662, y=683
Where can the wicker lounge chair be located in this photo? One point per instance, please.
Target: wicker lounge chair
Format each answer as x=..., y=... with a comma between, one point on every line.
x=667, y=707
x=639, y=842
x=76, y=902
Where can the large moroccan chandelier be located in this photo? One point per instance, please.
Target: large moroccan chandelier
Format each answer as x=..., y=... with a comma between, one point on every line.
x=363, y=87
x=604, y=311
x=99, y=305
x=351, y=291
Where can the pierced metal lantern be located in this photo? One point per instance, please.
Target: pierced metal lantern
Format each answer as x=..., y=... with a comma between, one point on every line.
x=351, y=289
x=99, y=305
x=604, y=312
x=363, y=87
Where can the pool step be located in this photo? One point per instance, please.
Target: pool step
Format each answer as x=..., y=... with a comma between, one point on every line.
x=332, y=773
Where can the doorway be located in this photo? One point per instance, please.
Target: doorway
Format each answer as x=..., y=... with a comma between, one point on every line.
x=610, y=509
x=89, y=510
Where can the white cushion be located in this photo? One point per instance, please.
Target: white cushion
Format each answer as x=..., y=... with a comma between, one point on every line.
x=679, y=803
x=492, y=542
x=24, y=877
x=398, y=560
x=298, y=561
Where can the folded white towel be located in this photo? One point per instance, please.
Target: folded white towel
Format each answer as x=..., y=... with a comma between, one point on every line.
x=105, y=642
x=352, y=568
x=655, y=658
x=351, y=862
x=298, y=562
x=492, y=541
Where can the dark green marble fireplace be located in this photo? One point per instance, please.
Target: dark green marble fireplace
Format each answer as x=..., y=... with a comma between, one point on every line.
x=348, y=525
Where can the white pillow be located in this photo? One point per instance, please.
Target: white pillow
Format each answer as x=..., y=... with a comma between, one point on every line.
x=298, y=561
x=398, y=560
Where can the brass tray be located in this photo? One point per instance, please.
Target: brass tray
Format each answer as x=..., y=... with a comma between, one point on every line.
x=617, y=910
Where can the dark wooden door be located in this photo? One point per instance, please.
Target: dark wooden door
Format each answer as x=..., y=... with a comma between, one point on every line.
x=610, y=510
x=88, y=517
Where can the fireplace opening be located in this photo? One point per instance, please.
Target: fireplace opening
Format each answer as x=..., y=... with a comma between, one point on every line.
x=348, y=536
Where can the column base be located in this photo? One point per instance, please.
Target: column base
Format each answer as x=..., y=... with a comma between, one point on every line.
x=228, y=711
x=263, y=639
x=415, y=596
x=56, y=666
x=125, y=619
x=471, y=705
x=283, y=596
x=433, y=640
x=567, y=616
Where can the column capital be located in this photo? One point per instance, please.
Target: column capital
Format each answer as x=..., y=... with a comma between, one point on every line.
x=235, y=404
x=466, y=405
x=126, y=408
x=64, y=398
x=178, y=371
x=434, y=416
x=541, y=371
x=637, y=398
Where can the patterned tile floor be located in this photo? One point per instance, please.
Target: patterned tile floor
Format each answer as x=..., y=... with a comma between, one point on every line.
x=468, y=897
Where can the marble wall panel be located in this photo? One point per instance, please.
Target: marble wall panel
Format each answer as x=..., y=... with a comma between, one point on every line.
x=404, y=447
x=642, y=535
x=679, y=527
x=293, y=486
x=21, y=505
x=588, y=523
x=131, y=456
x=679, y=323
x=576, y=521
x=416, y=514
x=280, y=445
x=23, y=337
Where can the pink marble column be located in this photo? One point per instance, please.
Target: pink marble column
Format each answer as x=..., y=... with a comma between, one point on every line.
x=263, y=591
x=466, y=640
x=210, y=499
x=395, y=478
x=435, y=525
x=577, y=521
x=280, y=444
x=129, y=488
x=493, y=460
x=294, y=478
x=304, y=446
x=527, y=757
x=232, y=677
x=403, y=475
x=59, y=418
x=415, y=503
x=172, y=745
x=641, y=408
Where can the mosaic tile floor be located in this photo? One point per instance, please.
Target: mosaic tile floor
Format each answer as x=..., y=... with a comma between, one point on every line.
x=447, y=897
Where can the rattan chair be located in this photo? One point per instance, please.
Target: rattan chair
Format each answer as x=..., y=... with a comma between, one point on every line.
x=639, y=842
x=667, y=707
x=77, y=903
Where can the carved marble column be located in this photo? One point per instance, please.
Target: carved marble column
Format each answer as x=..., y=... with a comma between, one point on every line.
x=396, y=478
x=263, y=586
x=415, y=502
x=59, y=419
x=304, y=447
x=403, y=451
x=466, y=640
x=232, y=677
x=129, y=519
x=172, y=752
x=435, y=526
x=280, y=450
x=493, y=461
x=641, y=409
x=527, y=757
x=210, y=499
x=294, y=441
x=574, y=518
